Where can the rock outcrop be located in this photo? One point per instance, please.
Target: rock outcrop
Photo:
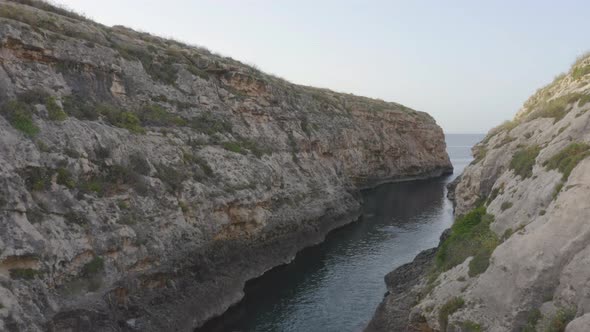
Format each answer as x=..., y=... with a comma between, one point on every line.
x=143, y=181
x=517, y=257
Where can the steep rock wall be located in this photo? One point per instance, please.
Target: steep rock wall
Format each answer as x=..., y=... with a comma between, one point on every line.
x=143, y=181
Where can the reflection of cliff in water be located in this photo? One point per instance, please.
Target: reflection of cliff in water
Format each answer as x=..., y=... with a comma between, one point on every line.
x=336, y=286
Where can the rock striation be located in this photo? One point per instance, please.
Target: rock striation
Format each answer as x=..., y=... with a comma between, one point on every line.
x=516, y=258
x=143, y=181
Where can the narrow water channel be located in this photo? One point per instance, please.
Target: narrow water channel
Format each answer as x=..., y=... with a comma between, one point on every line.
x=336, y=286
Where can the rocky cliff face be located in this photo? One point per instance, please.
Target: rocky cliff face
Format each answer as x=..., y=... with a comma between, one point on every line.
x=144, y=181
x=517, y=257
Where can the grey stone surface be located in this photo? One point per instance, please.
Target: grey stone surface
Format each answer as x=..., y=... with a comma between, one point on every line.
x=104, y=229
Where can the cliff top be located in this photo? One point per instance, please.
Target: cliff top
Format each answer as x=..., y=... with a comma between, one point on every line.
x=162, y=58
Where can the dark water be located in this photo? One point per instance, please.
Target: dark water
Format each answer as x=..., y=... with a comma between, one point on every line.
x=337, y=285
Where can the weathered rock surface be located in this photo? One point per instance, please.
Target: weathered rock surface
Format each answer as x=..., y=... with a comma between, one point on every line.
x=539, y=274
x=144, y=181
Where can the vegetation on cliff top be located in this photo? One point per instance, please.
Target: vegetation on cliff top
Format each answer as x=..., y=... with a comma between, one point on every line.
x=541, y=104
x=43, y=5
x=162, y=59
x=558, y=107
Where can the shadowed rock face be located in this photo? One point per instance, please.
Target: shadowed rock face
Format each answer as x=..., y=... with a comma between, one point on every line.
x=144, y=181
x=533, y=176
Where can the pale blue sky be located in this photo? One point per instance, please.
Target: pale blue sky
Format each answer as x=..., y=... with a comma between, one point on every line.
x=470, y=64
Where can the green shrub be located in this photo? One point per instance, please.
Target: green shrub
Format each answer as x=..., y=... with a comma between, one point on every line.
x=94, y=185
x=155, y=115
x=73, y=217
x=560, y=320
x=580, y=71
x=64, y=178
x=198, y=72
x=532, y=319
x=507, y=125
x=54, y=112
x=34, y=96
x=93, y=267
x=139, y=164
x=129, y=121
x=470, y=236
x=37, y=178
x=192, y=159
x=171, y=176
x=479, y=155
x=480, y=262
x=159, y=68
x=117, y=176
x=305, y=126
x=205, y=166
x=507, y=234
x=254, y=148
x=123, y=205
x=470, y=326
x=585, y=99
x=184, y=207
x=497, y=191
x=20, y=116
x=120, y=118
x=127, y=219
x=25, y=274
x=113, y=179
x=101, y=153
x=556, y=108
x=505, y=206
x=42, y=146
x=449, y=308
x=568, y=158
x=208, y=124
x=45, y=6
x=80, y=107
x=523, y=161
x=233, y=147
x=164, y=71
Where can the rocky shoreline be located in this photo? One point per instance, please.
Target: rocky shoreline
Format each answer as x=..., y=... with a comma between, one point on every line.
x=211, y=296
x=283, y=253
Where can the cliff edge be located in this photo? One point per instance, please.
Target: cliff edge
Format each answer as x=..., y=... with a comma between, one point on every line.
x=143, y=181
x=517, y=256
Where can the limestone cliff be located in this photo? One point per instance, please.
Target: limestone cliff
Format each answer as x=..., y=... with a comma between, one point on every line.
x=517, y=256
x=143, y=181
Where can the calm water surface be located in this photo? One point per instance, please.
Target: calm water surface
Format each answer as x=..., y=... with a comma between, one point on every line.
x=337, y=285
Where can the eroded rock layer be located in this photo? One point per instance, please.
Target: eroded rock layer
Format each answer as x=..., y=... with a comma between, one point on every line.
x=143, y=181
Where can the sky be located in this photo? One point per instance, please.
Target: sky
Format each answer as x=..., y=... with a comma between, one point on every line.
x=470, y=64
